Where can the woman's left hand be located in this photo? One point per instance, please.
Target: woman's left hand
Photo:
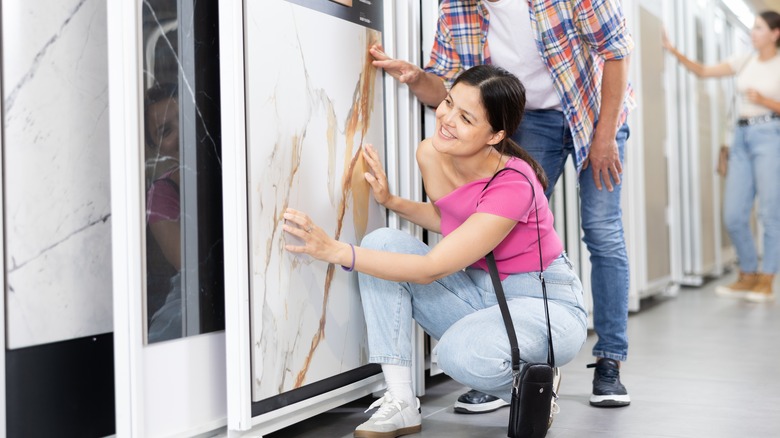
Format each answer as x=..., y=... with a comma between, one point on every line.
x=316, y=242
x=376, y=178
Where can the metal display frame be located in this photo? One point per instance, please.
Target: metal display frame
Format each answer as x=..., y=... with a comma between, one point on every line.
x=637, y=211
x=402, y=115
x=3, y=252
x=704, y=251
x=153, y=396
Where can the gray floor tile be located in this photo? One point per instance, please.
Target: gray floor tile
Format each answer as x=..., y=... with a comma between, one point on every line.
x=699, y=366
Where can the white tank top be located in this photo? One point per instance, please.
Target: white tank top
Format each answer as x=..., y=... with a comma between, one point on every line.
x=513, y=48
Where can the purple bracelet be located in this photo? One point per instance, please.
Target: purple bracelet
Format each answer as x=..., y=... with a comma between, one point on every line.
x=351, y=268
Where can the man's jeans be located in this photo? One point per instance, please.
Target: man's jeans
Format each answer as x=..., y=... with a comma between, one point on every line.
x=546, y=136
x=461, y=311
x=754, y=169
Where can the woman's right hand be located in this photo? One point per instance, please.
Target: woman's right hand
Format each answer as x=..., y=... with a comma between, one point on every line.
x=377, y=178
x=404, y=72
x=665, y=41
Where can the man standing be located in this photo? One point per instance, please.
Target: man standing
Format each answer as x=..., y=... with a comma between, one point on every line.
x=572, y=57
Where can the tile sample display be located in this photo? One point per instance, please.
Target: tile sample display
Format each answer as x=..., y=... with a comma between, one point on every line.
x=56, y=170
x=313, y=101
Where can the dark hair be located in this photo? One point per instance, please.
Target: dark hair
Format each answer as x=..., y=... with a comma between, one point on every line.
x=157, y=93
x=503, y=96
x=772, y=19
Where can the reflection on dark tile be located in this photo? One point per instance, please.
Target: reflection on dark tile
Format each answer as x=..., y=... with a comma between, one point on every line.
x=184, y=259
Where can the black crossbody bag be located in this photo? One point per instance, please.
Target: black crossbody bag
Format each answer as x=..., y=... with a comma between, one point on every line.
x=532, y=387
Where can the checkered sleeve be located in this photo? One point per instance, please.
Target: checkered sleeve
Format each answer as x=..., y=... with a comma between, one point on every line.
x=603, y=27
x=444, y=61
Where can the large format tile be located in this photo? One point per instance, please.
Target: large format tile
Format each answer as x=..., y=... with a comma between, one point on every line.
x=56, y=170
x=311, y=108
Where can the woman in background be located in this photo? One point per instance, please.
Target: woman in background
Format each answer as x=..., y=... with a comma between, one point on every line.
x=754, y=157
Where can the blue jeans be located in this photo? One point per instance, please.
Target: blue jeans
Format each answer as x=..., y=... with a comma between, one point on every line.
x=461, y=311
x=754, y=170
x=545, y=134
x=166, y=323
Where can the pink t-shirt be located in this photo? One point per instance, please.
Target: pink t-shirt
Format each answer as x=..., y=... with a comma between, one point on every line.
x=162, y=200
x=509, y=196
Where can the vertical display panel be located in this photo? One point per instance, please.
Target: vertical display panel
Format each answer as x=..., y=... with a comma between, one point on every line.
x=653, y=156
x=56, y=312
x=182, y=169
x=56, y=179
x=177, y=387
x=313, y=101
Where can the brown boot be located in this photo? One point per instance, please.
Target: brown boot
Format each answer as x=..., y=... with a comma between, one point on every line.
x=745, y=283
x=762, y=291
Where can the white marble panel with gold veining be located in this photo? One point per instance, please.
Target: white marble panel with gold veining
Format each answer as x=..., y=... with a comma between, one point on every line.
x=313, y=100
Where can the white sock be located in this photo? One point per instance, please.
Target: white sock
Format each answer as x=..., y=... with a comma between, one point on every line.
x=399, y=382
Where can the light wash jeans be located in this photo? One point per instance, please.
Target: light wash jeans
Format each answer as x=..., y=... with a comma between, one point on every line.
x=754, y=170
x=166, y=323
x=461, y=311
x=545, y=134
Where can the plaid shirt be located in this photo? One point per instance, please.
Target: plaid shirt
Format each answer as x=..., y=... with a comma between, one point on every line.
x=574, y=38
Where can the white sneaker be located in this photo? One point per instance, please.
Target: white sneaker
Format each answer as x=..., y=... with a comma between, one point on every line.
x=393, y=419
x=725, y=291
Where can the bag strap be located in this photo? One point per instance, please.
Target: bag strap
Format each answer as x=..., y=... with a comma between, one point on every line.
x=502, y=302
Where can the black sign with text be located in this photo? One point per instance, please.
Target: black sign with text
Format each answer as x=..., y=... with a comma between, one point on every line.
x=367, y=13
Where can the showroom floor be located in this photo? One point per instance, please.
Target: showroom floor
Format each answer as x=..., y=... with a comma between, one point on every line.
x=699, y=366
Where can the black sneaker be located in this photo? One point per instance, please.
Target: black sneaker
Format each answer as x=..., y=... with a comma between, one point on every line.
x=476, y=402
x=607, y=389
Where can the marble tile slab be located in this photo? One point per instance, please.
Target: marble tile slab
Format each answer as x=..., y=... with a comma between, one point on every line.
x=313, y=99
x=56, y=170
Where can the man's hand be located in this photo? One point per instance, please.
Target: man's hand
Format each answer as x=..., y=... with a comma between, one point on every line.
x=427, y=87
x=604, y=161
x=404, y=72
